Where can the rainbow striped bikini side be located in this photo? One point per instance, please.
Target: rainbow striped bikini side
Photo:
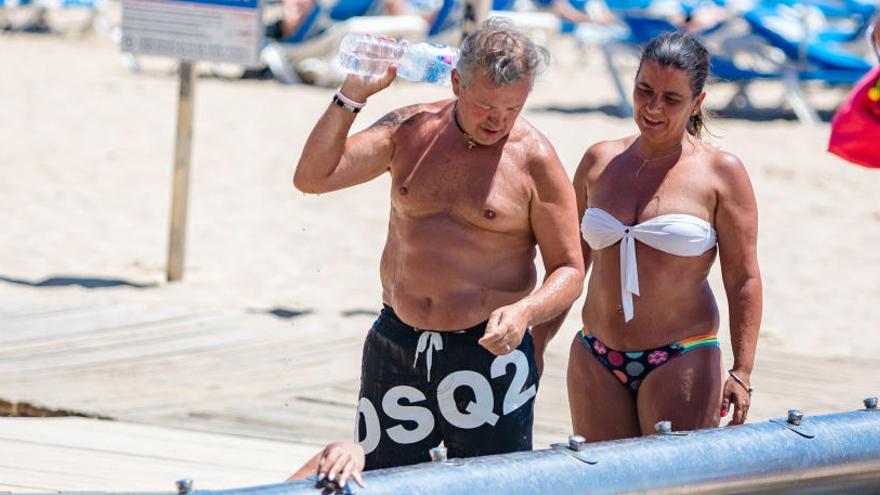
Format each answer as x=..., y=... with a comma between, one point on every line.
x=691, y=343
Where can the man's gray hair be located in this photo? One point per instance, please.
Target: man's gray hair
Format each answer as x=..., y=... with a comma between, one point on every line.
x=502, y=52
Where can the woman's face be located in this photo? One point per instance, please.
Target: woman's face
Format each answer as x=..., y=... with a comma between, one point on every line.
x=663, y=101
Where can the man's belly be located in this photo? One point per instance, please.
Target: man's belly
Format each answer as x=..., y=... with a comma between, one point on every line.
x=455, y=277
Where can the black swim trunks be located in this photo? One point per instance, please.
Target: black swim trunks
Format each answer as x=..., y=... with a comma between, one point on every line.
x=420, y=387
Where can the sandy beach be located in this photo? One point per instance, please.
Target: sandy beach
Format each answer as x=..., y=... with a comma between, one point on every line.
x=85, y=178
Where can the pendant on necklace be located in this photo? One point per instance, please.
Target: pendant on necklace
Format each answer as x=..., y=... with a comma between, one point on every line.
x=471, y=142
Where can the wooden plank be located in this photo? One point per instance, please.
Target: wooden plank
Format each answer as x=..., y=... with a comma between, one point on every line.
x=48, y=335
x=184, y=343
x=84, y=454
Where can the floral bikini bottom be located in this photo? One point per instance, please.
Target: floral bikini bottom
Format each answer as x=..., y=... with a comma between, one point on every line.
x=632, y=367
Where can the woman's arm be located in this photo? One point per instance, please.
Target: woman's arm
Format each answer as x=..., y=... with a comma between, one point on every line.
x=736, y=223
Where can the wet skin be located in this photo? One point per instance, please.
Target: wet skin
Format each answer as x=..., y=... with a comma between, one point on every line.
x=465, y=220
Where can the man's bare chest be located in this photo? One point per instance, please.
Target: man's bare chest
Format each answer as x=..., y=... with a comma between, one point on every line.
x=489, y=190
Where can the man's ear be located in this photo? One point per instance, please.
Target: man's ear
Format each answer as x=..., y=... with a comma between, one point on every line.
x=456, y=82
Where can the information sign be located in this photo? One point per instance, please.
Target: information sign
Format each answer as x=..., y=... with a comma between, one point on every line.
x=228, y=31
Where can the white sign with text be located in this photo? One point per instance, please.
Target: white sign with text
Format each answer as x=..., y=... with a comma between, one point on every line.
x=227, y=31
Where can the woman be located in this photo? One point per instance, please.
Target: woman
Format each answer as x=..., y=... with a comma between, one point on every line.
x=655, y=209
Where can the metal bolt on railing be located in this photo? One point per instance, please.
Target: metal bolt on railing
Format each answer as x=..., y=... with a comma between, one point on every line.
x=438, y=454
x=663, y=427
x=870, y=402
x=576, y=442
x=795, y=416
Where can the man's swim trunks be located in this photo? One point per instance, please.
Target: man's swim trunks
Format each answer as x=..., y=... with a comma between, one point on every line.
x=420, y=387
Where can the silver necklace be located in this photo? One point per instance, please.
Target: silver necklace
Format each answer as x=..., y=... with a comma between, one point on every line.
x=646, y=160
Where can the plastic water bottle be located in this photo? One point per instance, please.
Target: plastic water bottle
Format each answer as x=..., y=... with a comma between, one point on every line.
x=428, y=62
x=423, y=62
x=367, y=55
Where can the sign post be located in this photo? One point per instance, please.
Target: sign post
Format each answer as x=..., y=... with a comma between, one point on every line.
x=228, y=31
x=180, y=186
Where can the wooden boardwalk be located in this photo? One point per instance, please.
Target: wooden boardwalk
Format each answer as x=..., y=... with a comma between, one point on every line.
x=80, y=454
x=252, y=374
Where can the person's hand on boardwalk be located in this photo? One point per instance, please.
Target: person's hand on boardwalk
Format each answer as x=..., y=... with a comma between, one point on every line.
x=337, y=462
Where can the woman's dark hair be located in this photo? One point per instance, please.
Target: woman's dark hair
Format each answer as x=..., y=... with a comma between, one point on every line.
x=685, y=53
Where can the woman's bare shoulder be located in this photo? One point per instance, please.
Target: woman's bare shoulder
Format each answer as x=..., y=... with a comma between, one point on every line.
x=724, y=164
x=731, y=178
x=599, y=155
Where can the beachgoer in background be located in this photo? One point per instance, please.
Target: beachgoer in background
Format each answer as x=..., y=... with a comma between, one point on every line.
x=653, y=207
x=336, y=463
x=474, y=189
x=293, y=13
x=598, y=12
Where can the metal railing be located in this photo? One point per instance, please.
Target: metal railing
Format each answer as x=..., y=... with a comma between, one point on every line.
x=835, y=453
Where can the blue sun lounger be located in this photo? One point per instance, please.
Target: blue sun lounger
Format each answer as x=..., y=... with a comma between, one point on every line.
x=810, y=56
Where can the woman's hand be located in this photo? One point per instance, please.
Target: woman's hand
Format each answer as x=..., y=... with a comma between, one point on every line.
x=737, y=393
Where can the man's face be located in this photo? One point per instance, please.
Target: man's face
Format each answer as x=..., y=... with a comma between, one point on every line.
x=487, y=112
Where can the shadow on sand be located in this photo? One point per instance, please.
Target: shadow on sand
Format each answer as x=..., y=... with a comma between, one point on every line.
x=283, y=313
x=87, y=283
x=351, y=313
x=764, y=114
x=609, y=110
x=752, y=114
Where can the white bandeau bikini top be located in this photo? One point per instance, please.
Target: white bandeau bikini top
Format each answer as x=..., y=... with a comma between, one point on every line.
x=676, y=234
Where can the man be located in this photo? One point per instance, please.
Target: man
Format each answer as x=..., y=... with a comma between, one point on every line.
x=475, y=188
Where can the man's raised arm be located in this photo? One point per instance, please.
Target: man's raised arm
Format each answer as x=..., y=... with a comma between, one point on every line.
x=331, y=160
